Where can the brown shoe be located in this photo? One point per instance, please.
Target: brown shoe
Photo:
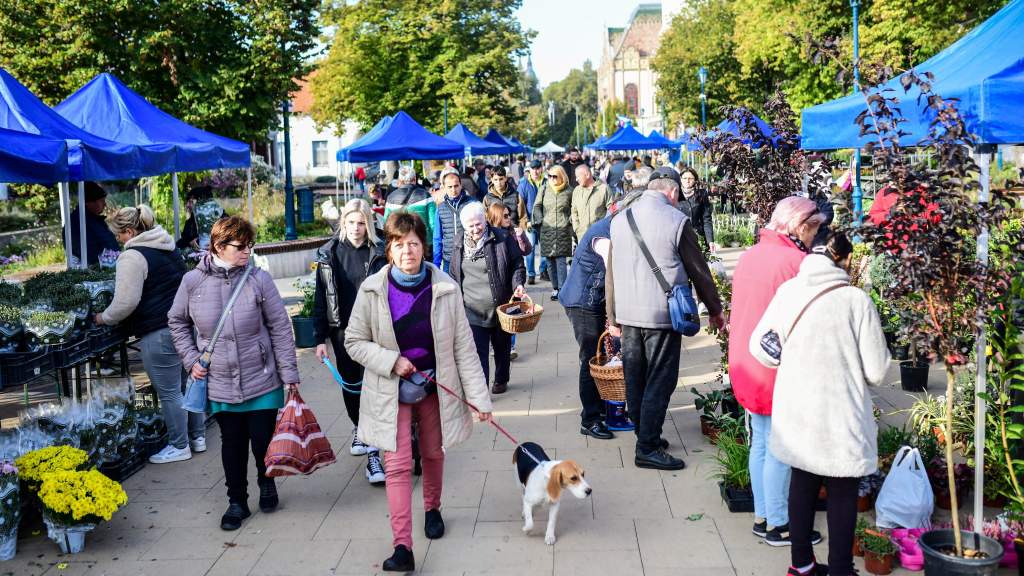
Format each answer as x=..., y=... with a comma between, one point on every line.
x=499, y=388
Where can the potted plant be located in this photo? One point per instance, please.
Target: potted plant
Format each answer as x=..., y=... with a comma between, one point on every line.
x=10, y=510
x=74, y=502
x=303, y=322
x=879, y=550
x=44, y=328
x=708, y=405
x=858, y=534
x=10, y=293
x=868, y=489
x=10, y=328
x=962, y=473
x=732, y=470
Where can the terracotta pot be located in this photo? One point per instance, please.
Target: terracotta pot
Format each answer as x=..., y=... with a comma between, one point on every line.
x=857, y=550
x=877, y=564
x=708, y=429
x=864, y=503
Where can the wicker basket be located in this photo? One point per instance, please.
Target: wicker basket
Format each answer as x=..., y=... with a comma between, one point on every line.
x=610, y=380
x=519, y=323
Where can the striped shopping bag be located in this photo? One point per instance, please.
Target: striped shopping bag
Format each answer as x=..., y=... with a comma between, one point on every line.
x=298, y=445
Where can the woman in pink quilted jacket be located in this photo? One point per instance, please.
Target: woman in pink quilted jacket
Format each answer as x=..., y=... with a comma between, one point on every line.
x=252, y=360
x=775, y=258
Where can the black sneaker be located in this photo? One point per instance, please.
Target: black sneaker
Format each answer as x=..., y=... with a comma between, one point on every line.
x=433, y=524
x=401, y=561
x=818, y=570
x=760, y=529
x=658, y=460
x=779, y=536
x=597, y=430
x=268, y=495
x=663, y=443
x=232, y=518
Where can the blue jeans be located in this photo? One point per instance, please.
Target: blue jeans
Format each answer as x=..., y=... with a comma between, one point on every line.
x=557, y=270
x=165, y=371
x=769, y=478
x=531, y=258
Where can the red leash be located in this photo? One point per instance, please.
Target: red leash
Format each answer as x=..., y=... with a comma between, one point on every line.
x=471, y=406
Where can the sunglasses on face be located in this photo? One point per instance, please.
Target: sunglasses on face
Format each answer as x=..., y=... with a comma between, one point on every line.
x=242, y=247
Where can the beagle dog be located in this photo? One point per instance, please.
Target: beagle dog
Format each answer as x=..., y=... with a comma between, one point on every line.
x=543, y=480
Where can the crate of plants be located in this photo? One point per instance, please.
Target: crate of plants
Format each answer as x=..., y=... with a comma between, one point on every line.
x=70, y=353
x=20, y=367
x=103, y=338
x=152, y=429
x=121, y=470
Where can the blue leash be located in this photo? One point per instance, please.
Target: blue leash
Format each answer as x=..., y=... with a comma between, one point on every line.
x=341, y=382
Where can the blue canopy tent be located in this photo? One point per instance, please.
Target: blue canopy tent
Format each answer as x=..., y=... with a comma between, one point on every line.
x=474, y=145
x=984, y=70
x=520, y=147
x=370, y=136
x=90, y=157
x=628, y=139
x=597, y=143
x=731, y=127
x=656, y=137
x=401, y=138
x=108, y=108
x=495, y=137
x=30, y=159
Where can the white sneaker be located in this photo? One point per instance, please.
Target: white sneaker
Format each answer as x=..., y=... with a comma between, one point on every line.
x=374, y=468
x=170, y=454
x=198, y=444
x=513, y=354
x=358, y=448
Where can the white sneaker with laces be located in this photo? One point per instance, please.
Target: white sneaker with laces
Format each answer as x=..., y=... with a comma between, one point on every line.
x=358, y=448
x=198, y=444
x=170, y=454
x=374, y=468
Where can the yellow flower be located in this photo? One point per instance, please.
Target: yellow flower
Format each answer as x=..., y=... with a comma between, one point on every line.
x=71, y=496
x=36, y=464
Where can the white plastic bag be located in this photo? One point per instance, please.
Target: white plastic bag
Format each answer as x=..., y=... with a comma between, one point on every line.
x=906, y=499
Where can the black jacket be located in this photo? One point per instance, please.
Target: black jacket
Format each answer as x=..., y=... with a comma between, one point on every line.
x=98, y=237
x=504, y=261
x=698, y=209
x=190, y=232
x=165, y=271
x=570, y=169
x=346, y=266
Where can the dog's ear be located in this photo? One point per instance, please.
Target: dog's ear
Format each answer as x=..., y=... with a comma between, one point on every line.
x=555, y=483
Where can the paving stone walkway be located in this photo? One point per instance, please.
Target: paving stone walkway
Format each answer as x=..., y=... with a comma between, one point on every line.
x=333, y=522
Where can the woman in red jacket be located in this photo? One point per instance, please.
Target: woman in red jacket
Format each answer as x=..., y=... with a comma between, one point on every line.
x=776, y=257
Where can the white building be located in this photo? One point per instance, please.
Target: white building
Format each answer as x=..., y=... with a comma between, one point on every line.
x=313, y=151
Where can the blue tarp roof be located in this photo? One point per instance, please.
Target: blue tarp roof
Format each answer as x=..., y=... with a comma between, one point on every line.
x=628, y=139
x=656, y=136
x=370, y=136
x=596, y=143
x=495, y=137
x=690, y=141
x=90, y=157
x=401, y=138
x=474, y=144
x=521, y=147
x=108, y=108
x=984, y=69
x=730, y=126
x=28, y=158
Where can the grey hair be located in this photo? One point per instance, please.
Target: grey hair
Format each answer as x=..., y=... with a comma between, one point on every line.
x=663, y=185
x=472, y=212
x=406, y=175
x=641, y=177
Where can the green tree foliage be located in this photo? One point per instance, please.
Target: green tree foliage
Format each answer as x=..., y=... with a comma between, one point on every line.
x=390, y=55
x=750, y=47
x=223, y=65
x=577, y=92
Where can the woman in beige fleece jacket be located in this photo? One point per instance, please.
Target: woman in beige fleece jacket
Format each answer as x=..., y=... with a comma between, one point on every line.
x=149, y=271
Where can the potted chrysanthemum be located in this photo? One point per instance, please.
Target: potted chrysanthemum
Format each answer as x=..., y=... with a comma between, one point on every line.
x=75, y=502
x=10, y=509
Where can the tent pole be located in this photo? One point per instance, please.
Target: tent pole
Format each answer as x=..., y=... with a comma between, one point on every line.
x=83, y=262
x=248, y=187
x=984, y=155
x=65, y=220
x=177, y=209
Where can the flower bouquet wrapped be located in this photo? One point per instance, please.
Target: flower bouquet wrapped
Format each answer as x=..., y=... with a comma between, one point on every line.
x=151, y=424
x=74, y=502
x=10, y=328
x=10, y=509
x=116, y=425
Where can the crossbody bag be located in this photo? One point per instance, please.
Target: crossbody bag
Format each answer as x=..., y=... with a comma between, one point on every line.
x=682, y=308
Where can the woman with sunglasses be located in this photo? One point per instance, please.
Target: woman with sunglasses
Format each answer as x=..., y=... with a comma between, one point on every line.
x=253, y=360
x=552, y=217
x=760, y=271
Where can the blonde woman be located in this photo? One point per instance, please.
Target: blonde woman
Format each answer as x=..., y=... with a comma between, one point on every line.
x=149, y=271
x=552, y=217
x=342, y=265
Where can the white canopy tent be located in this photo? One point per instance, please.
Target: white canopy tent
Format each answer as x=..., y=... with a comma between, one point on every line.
x=550, y=148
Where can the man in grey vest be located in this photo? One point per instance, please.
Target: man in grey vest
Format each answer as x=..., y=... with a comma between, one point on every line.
x=447, y=227
x=639, y=306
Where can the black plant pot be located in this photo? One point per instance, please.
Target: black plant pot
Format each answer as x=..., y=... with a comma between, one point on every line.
x=1018, y=545
x=890, y=339
x=901, y=352
x=938, y=563
x=914, y=376
x=304, y=335
x=732, y=408
x=737, y=499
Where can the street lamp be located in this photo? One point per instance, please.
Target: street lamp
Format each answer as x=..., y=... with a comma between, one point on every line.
x=289, y=191
x=858, y=193
x=702, y=73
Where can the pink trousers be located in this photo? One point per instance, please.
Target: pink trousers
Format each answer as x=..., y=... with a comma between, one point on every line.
x=398, y=466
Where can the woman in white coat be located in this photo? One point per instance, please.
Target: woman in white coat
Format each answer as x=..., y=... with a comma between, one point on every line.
x=823, y=426
x=409, y=320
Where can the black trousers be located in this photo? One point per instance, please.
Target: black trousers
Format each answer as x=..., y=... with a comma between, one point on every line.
x=239, y=431
x=650, y=361
x=351, y=372
x=588, y=326
x=501, y=341
x=842, y=519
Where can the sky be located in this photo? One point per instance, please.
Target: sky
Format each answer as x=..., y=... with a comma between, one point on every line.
x=571, y=31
